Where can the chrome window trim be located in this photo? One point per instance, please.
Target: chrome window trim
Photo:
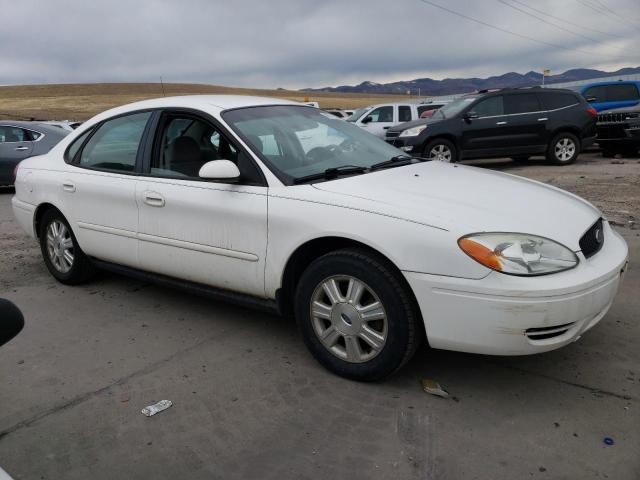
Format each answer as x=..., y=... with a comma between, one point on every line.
x=529, y=113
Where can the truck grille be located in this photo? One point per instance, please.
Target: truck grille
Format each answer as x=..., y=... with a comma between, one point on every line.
x=616, y=117
x=593, y=239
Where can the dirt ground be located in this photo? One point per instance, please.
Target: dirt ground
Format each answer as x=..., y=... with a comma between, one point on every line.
x=250, y=402
x=82, y=101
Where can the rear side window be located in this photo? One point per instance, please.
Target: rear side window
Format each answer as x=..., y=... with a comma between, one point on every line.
x=404, y=113
x=489, y=107
x=521, y=103
x=382, y=114
x=555, y=100
x=73, y=150
x=115, y=144
x=14, y=134
x=626, y=91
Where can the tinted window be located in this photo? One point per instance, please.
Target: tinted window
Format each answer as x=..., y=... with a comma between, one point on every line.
x=382, y=114
x=554, y=100
x=521, y=103
x=626, y=91
x=76, y=145
x=489, y=107
x=13, y=134
x=404, y=113
x=598, y=92
x=115, y=144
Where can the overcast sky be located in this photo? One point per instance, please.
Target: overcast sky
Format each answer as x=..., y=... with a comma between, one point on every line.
x=307, y=43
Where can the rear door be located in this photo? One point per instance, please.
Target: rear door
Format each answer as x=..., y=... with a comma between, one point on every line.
x=16, y=144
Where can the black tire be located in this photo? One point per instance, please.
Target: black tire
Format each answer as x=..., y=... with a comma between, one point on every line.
x=81, y=269
x=403, y=332
x=556, y=155
x=520, y=158
x=440, y=143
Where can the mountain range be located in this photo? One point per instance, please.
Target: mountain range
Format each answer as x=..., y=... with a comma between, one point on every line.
x=449, y=86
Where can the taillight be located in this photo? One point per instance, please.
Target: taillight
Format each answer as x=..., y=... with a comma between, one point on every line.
x=15, y=172
x=592, y=111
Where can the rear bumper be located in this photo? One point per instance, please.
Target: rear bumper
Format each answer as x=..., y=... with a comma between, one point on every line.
x=508, y=315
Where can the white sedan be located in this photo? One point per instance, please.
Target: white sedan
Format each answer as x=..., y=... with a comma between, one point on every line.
x=282, y=206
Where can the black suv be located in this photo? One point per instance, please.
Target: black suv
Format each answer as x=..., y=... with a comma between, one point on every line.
x=513, y=123
x=619, y=131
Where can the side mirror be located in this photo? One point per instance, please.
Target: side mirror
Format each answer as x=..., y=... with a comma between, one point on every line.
x=470, y=115
x=219, y=170
x=11, y=321
x=367, y=119
x=591, y=99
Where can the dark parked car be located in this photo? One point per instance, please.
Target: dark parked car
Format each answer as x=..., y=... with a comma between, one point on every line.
x=619, y=131
x=20, y=140
x=513, y=123
x=607, y=95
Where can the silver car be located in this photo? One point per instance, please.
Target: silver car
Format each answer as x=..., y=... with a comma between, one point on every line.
x=20, y=140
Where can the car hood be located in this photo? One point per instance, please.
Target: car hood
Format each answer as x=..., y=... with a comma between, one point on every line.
x=464, y=199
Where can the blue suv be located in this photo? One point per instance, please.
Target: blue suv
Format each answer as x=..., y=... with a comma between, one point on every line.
x=608, y=95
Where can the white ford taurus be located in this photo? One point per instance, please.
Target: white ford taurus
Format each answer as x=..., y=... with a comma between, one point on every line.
x=277, y=204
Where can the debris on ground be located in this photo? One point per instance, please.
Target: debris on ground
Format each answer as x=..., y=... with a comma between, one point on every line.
x=157, y=407
x=608, y=441
x=434, y=388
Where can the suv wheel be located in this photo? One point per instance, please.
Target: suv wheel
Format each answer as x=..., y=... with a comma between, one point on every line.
x=441, y=150
x=62, y=254
x=355, y=316
x=563, y=149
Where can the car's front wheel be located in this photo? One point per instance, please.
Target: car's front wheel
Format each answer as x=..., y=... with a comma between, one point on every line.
x=62, y=255
x=441, y=150
x=563, y=149
x=356, y=316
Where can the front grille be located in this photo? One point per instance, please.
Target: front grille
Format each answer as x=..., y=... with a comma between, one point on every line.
x=544, y=333
x=593, y=239
x=391, y=134
x=616, y=117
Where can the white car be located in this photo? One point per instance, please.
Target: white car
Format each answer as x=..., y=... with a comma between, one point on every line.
x=377, y=119
x=372, y=251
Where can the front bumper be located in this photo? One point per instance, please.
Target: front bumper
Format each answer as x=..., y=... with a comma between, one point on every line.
x=411, y=145
x=618, y=133
x=508, y=315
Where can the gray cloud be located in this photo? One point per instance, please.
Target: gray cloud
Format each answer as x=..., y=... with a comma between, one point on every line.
x=299, y=43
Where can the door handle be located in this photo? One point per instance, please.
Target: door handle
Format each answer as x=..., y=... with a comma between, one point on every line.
x=20, y=149
x=68, y=187
x=153, y=199
x=501, y=123
x=543, y=119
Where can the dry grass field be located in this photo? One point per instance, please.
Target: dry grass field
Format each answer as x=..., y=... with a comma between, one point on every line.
x=81, y=101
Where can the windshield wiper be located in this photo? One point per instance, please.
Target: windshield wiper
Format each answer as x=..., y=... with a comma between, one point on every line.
x=398, y=160
x=331, y=173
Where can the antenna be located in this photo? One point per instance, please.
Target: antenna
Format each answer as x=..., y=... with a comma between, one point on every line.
x=162, y=85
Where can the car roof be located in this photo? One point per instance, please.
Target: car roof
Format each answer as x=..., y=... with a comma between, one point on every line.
x=37, y=126
x=610, y=82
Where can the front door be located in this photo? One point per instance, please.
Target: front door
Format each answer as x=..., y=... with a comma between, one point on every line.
x=379, y=120
x=204, y=231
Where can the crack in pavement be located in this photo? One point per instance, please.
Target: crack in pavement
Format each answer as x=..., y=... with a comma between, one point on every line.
x=89, y=395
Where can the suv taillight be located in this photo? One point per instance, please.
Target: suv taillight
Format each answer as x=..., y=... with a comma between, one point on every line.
x=592, y=111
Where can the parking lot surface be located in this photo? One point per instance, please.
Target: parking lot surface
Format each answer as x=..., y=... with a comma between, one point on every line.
x=250, y=402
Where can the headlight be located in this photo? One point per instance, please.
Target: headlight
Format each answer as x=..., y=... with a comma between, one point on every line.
x=412, y=132
x=518, y=253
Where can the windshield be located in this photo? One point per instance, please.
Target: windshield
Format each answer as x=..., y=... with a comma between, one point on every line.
x=357, y=114
x=452, y=109
x=297, y=141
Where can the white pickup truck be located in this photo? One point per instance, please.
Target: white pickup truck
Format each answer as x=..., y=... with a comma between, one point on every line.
x=377, y=119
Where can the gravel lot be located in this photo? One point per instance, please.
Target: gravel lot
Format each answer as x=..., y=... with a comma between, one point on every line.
x=250, y=402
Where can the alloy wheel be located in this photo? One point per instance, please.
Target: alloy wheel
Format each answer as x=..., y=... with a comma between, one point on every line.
x=60, y=246
x=565, y=149
x=441, y=153
x=348, y=318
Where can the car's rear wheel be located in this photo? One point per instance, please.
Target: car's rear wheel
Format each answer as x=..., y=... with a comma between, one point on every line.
x=62, y=255
x=441, y=150
x=563, y=149
x=355, y=315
